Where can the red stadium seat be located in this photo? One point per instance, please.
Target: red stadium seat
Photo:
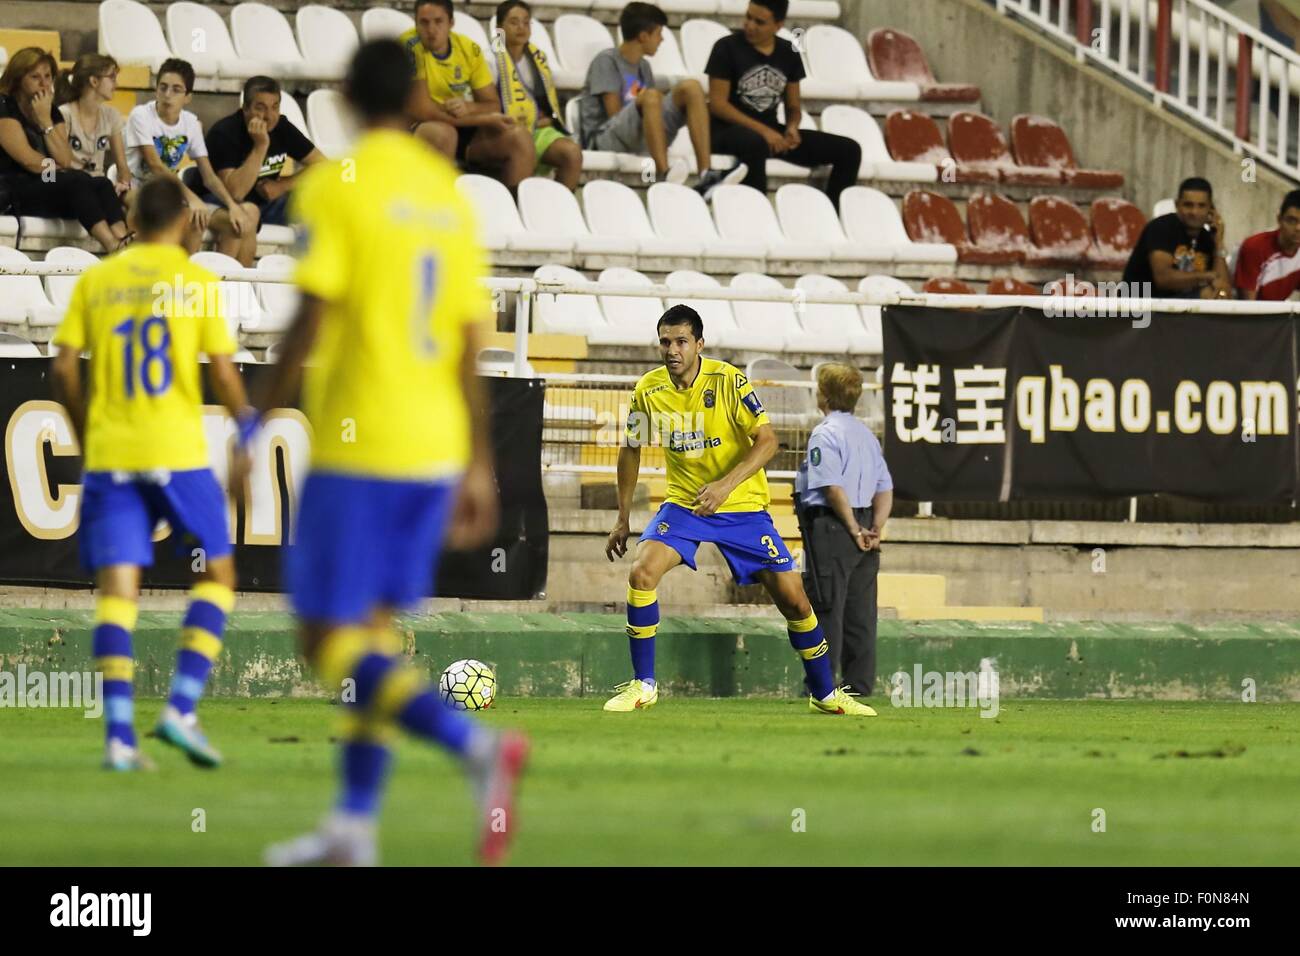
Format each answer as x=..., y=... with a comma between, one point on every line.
x=944, y=285
x=915, y=138
x=930, y=217
x=1116, y=225
x=1039, y=141
x=996, y=229
x=1058, y=231
x=895, y=55
x=1006, y=285
x=976, y=142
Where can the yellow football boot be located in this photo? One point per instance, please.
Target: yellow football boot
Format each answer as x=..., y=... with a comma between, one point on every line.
x=840, y=703
x=633, y=695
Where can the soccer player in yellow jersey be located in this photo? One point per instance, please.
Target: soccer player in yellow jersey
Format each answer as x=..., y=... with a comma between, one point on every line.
x=716, y=439
x=455, y=106
x=392, y=296
x=144, y=315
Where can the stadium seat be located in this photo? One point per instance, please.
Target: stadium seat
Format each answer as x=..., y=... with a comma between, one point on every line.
x=895, y=55
x=262, y=33
x=279, y=299
x=239, y=300
x=842, y=322
x=500, y=363
x=775, y=318
x=1116, y=225
x=743, y=213
x=59, y=288
x=945, y=285
x=813, y=9
x=793, y=406
x=578, y=38
x=332, y=125
x=630, y=320
x=470, y=28
x=807, y=215
x=290, y=110
x=188, y=23
x=541, y=39
x=4, y=57
x=130, y=33
x=698, y=37
x=838, y=69
x=1163, y=207
x=15, y=346
x=915, y=138
x=613, y=209
x=977, y=143
x=932, y=218
x=568, y=313
x=857, y=124
x=1058, y=231
x=327, y=39
x=381, y=23
x=669, y=65
x=720, y=326
x=779, y=168
x=997, y=230
x=1006, y=285
x=1039, y=141
x=879, y=286
x=868, y=215
x=498, y=219
x=679, y=212
x=549, y=208
x=593, y=160
x=22, y=298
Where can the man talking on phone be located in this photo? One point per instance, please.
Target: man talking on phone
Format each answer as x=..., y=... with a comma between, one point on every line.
x=1184, y=254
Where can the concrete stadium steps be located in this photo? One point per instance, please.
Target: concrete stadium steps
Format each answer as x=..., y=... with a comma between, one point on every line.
x=584, y=655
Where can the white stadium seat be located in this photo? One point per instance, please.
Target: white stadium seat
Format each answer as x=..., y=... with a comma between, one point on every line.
x=499, y=221
x=806, y=215
x=879, y=285
x=838, y=69
x=541, y=39
x=15, y=346
x=198, y=34
x=868, y=215
x=333, y=127
x=291, y=111
x=743, y=213
x=239, y=300
x=327, y=39
x=841, y=322
x=860, y=125
x=568, y=314
x=549, y=208
x=790, y=407
x=500, y=363
x=615, y=210
x=22, y=298
x=279, y=299
x=720, y=326
x=59, y=288
x=668, y=64
x=593, y=160
x=781, y=169
x=262, y=33
x=1163, y=207
x=698, y=37
x=630, y=320
x=130, y=33
x=384, y=23
x=471, y=29
x=814, y=10
x=679, y=212
x=775, y=318
x=578, y=38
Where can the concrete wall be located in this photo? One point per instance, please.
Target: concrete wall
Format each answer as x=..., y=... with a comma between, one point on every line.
x=1020, y=71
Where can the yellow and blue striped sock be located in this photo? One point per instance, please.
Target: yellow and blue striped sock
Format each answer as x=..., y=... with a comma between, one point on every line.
x=806, y=637
x=363, y=764
x=115, y=619
x=202, y=629
x=642, y=625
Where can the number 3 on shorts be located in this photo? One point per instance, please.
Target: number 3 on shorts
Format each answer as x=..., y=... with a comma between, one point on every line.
x=772, y=550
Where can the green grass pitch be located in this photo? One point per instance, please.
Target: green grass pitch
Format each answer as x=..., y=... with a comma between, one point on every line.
x=699, y=782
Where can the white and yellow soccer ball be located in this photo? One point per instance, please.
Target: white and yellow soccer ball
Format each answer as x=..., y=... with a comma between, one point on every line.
x=468, y=685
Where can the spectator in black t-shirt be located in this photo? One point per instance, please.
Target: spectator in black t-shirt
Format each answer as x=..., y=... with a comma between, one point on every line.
x=36, y=160
x=1183, y=254
x=753, y=70
x=250, y=147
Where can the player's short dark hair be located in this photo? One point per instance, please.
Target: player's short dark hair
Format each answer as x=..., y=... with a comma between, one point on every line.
x=682, y=315
x=379, y=79
x=181, y=68
x=779, y=8
x=1195, y=184
x=1290, y=201
x=638, y=18
x=260, y=84
x=504, y=8
x=445, y=4
x=160, y=202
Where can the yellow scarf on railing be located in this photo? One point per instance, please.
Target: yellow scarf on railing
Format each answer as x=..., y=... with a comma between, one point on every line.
x=515, y=100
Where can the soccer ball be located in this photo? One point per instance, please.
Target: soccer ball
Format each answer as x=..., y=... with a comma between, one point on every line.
x=468, y=685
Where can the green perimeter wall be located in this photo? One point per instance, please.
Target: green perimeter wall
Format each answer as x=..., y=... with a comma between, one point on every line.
x=558, y=655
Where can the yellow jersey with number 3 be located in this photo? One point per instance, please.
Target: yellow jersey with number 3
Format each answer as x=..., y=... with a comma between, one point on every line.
x=391, y=247
x=705, y=431
x=144, y=315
